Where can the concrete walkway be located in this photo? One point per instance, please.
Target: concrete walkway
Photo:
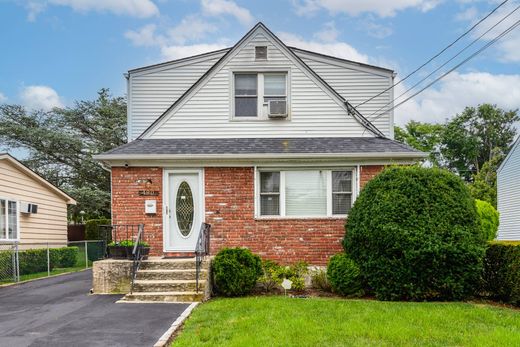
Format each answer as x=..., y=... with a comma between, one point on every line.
x=59, y=312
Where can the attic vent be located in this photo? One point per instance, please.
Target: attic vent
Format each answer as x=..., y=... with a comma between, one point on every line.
x=261, y=53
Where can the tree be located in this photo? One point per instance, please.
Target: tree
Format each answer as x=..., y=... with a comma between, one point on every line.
x=422, y=136
x=484, y=183
x=475, y=136
x=60, y=144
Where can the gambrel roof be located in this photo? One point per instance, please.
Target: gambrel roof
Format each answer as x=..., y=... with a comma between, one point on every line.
x=349, y=109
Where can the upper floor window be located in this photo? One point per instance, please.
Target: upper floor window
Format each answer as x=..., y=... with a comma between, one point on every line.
x=260, y=95
x=8, y=220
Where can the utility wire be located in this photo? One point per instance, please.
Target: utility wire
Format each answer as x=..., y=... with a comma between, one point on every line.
x=505, y=32
x=436, y=55
x=446, y=62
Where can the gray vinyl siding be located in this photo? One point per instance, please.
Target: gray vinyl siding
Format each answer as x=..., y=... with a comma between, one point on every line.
x=313, y=111
x=356, y=85
x=152, y=91
x=508, y=182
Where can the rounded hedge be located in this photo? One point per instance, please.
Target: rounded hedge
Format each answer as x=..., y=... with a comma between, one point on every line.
x=235, y=271
x=416, y=235
x=344, y=275
x=488, y=219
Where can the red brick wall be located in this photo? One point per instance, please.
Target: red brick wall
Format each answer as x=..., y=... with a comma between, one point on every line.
x=229, y=195
x=366, y=173
x=230, y=211
x=128, y=206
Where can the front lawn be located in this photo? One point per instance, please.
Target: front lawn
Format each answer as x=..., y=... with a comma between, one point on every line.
x=281, y=321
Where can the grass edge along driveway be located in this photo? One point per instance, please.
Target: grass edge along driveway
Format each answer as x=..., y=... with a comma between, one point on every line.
x=281, y=321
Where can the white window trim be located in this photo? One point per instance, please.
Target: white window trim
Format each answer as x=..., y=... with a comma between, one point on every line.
x=261, y=117
x=7, y=200
x=282, y=192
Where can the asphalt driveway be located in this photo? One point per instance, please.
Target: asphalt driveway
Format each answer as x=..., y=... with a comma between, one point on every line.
x=59, y=311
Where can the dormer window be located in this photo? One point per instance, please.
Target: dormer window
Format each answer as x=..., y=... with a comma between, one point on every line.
x=261, y=53
x=261, y=95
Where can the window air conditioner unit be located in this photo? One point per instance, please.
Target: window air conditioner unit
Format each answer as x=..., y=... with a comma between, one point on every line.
x=277, y=109
x=26, y=207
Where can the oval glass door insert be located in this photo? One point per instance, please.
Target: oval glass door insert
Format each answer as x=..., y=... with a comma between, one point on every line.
x=184, y=209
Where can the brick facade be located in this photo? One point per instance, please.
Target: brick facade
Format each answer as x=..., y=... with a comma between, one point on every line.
x=128, y=205
x=229, y=198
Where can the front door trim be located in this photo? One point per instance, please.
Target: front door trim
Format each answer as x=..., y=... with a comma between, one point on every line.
x=166, y=209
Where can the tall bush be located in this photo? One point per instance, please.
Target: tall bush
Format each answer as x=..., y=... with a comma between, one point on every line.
x=416, y=235
x=488, y=219
x=235, y=271
x=501, y=279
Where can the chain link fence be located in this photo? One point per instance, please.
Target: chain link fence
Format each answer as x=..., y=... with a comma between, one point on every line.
x=23, y=261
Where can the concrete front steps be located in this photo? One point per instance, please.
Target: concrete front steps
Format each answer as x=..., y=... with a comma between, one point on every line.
x=170, y=280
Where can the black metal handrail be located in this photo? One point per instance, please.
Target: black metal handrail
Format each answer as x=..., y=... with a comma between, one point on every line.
x=201, y=249
x=137, y=254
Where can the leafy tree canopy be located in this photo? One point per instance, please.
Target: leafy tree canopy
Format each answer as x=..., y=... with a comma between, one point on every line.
x=425, y=137
x=60, y=144
x=474, y=136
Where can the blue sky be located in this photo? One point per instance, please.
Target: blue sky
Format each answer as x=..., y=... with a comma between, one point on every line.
x=58, y=51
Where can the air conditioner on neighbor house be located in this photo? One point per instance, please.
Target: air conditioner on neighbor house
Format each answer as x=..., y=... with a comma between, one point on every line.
x=277, y=109
x=26, y=207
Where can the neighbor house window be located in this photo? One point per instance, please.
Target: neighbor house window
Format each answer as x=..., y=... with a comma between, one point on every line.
x=254, y=91
x=305, y=193
x=8, y=219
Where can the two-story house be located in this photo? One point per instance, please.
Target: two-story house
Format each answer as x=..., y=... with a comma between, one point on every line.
x=261, y=140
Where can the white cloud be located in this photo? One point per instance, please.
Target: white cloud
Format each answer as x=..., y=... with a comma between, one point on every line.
x=374, y=28
x=174, y=42
x=329, y=33
x=134, y=8
x=146, y=36
x=181, y=51
x=337, y=49
x=469, y=14
x=40, y=97
x=191, y=28
x=227, y=7
x=34, y=9
x=457, y=91
x=383, y=8
x=3, y=98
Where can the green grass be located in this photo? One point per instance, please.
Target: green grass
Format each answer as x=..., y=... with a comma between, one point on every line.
x=281, y=321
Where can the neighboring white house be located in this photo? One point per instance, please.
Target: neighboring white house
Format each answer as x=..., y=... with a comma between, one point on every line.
x=508, y=189
x=32, y=210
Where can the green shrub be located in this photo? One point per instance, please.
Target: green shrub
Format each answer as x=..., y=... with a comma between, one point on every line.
x=270, y=276
x=34, y=260
x=64, y=257
x=344, y=275
x=320, y=281
x=501, y=279
x=235, y=271
x=296, y=274
x=488, y=219
x=416, y=235
x=92, y=230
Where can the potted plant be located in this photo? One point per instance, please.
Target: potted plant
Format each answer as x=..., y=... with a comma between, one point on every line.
x=123, y=249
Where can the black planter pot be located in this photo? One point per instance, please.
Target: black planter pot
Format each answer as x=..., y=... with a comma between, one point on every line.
x=125, y=252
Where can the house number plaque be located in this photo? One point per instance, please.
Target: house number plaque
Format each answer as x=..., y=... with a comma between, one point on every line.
x=148, y=193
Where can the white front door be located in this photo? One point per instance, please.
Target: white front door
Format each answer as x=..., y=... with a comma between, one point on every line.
x=185, y=210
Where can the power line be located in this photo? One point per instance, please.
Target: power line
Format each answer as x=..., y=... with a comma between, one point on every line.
x=446, y=62
x=436, y=55
x=505, y=32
